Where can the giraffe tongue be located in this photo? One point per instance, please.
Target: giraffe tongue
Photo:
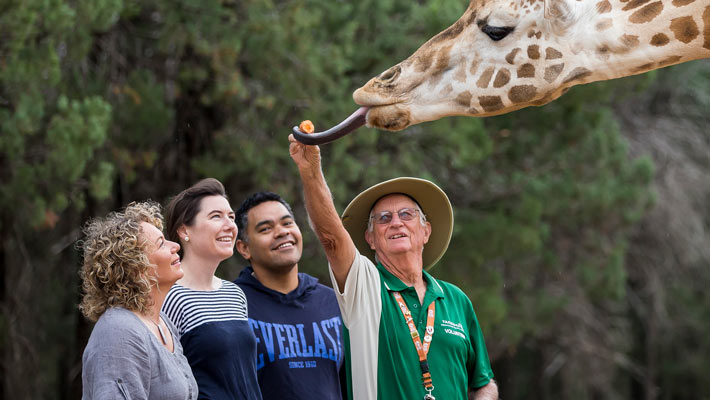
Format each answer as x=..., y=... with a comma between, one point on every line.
x=354, y=121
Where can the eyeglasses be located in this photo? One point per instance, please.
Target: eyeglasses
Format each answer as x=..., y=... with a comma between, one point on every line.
x=385, y=217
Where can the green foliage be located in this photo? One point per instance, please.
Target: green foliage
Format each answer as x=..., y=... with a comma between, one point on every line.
x=50, y=132
x=49, y=135
x=107, y=101
x=688, y=316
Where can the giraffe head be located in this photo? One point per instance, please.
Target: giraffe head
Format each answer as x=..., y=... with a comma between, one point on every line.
x=503, y=55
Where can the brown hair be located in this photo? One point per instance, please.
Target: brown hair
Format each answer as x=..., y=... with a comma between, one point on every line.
x=183, y=208
x=115, y=263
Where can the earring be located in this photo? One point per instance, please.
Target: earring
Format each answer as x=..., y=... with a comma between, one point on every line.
x=187, y=238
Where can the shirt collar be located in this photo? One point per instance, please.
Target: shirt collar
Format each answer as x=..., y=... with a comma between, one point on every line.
x=433, y=285
x=394, y=284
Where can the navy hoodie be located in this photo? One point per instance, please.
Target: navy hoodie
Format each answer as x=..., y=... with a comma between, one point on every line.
x=299, y=342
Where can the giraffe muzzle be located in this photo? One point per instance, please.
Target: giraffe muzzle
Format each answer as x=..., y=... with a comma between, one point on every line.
x=354, y=121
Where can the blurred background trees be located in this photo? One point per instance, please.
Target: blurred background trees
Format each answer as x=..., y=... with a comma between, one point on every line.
x=582, y=227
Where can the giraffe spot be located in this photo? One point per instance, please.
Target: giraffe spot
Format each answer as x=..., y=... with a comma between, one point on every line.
x=642, y=68
x=460, y=75
x=603, y=7
x=629, y=40
x=526, y=71
x=450, y=33
x=684, y=29
x=473, y=111
x=647, y=13
x=446, y=90
x=669, y=61
x=490, y=103
x=577, y=74
x=604, y=24
x=502, y=77
x=706, y=29
x=551, y=54
x=534, y=51
x=423, y=61
x=522, y=93
x=474, y=66
x=634, y=4
x=464, y=99
x=681, y=3
x=485, y=78
x=510, y=57
x=471, y=18
x=552, y=72
x=659, y=39
x=441, y=65
x=538, y=35
x=531, y=33
x=603, y=52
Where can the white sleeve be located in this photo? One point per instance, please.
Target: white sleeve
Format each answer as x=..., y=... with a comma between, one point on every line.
x=361, y=308
x=361, y=296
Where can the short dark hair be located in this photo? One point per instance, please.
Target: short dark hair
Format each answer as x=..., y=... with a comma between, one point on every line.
x=250, y=202
x=183, y=208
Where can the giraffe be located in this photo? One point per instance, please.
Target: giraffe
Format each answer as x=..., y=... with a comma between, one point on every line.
x=504, y=55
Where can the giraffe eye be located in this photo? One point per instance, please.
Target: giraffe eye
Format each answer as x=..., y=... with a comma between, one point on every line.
x=496, y=33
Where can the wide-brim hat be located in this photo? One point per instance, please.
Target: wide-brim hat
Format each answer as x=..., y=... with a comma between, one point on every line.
x=433, y=201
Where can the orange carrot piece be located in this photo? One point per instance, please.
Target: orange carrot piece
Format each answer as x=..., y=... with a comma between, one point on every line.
x=307, y=126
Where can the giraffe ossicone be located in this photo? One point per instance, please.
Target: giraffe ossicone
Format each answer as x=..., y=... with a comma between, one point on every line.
x=504, y=55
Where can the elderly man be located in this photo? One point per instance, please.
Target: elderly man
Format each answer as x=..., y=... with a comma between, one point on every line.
x=410, y=336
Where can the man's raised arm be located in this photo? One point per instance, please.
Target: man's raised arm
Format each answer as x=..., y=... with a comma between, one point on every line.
x=325, y=221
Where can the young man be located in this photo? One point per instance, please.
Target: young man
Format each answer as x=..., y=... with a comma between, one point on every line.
x=295, y=319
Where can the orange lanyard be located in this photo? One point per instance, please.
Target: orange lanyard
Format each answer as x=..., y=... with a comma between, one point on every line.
x=422, y=348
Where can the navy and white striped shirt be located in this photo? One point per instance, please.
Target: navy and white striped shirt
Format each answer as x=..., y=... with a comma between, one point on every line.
x=189, y=308
x=217, y=340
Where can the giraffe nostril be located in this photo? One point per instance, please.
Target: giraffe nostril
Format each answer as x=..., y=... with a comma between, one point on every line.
x=391, y=74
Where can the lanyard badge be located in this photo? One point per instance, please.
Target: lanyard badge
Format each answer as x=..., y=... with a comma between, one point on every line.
x=422, y=348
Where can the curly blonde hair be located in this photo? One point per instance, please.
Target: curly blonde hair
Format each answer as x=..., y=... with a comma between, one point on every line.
x=114, y=271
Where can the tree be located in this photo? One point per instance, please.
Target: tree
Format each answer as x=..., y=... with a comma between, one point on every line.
x=106, y=102
x=50, y=134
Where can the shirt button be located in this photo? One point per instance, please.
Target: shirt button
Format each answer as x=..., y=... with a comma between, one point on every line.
x=415, y=305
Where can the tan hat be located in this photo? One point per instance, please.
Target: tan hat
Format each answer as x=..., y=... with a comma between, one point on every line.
x=433, y=201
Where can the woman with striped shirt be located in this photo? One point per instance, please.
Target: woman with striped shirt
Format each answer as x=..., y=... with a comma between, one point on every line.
x=210, y=313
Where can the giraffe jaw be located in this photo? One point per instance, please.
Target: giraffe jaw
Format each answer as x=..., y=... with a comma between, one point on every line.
x=390, y=117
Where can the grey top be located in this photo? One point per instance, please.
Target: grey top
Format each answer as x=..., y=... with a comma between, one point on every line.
x=124, y=360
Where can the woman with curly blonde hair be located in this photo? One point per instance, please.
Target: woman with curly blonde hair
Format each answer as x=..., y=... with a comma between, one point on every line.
x=134, y=351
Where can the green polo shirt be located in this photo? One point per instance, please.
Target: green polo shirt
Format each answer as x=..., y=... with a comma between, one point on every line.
x=381, y=359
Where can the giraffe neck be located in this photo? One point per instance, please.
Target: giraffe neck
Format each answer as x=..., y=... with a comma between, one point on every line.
x=630, y=37
x=587, y=41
